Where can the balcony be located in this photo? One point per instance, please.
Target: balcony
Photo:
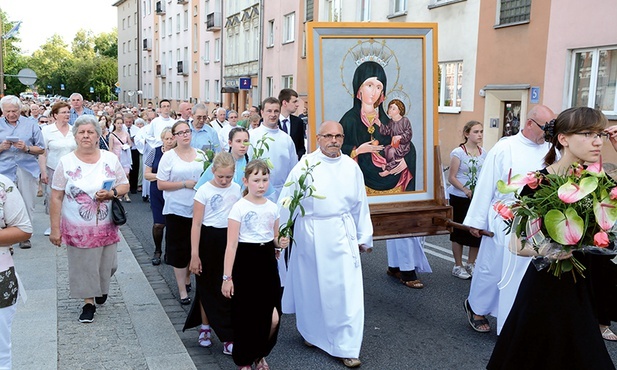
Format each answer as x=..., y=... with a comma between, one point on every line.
x=147, y=44
x=160, y=8
x=182, y=68
x=161, y=70
x=214, y=21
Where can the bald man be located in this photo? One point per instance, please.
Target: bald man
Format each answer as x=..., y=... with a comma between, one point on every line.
x=324, y=281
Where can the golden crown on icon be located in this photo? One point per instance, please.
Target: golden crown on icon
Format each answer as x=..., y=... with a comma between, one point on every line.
x=371, y=50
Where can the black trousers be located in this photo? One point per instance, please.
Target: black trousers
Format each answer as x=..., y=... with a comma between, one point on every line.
x=134, y=174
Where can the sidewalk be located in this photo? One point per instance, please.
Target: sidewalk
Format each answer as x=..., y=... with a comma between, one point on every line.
x=130, y=331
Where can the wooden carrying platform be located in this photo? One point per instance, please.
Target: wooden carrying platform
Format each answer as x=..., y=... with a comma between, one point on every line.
x=414, y=218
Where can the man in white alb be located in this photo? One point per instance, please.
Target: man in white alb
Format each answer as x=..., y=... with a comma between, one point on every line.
x=324, y=282
x=497, y=275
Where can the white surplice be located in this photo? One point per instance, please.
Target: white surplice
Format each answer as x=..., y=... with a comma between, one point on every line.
x=324, y=282
x=281, y=152
x=408, y=254
x=497, y=275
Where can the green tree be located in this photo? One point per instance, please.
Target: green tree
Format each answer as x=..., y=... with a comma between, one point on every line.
x=83, y=45
x=106, y=44
x=51, y=63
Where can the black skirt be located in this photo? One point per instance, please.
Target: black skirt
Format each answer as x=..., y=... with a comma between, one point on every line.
x=551, y=326
x=257, y=292
x=178, y=241
x=459, y=211
x=212, y=243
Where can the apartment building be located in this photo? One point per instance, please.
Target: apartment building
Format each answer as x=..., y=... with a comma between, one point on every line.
x=129, y=50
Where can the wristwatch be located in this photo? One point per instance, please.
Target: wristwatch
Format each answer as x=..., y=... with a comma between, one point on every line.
x=28, y=149
x=115, y=192
x=226, y=278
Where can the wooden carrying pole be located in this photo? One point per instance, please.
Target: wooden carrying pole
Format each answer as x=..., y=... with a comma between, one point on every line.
x=442, y=221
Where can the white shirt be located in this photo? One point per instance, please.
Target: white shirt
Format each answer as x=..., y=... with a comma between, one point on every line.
x=256, y=220
x=57, y=144
x=172, y=168
x=153, y=135
x=217, y=126
x=217, y=203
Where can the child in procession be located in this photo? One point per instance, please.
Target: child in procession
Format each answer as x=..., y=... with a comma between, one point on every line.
x=211, y=207
x=250, y=276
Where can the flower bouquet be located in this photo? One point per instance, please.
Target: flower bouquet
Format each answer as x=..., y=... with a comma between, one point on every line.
x=304, y=188
x=572, y=211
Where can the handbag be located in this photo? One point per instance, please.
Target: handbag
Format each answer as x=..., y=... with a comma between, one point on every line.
x=118, y=214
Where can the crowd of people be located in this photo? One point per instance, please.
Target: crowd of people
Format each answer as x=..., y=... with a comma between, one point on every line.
x=217, y=185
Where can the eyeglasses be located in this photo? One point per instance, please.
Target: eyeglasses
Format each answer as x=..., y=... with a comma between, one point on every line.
x=331, y=136
x=594, y=135
x=183, y=133
x=199, y=118
x=539, y=125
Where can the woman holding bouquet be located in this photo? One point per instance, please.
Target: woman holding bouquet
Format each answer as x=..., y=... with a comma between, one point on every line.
x=552, y=324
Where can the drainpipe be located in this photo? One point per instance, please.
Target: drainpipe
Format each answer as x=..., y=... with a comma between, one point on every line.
x=261, y=53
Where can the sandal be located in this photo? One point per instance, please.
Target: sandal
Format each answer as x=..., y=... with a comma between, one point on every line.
x=262, y=364
x=414, y=284
x=475, y=323
x=351, y=362
x=607, y=334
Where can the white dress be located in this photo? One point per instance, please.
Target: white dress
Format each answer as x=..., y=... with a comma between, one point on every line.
x=497, y=275
x=324, y=282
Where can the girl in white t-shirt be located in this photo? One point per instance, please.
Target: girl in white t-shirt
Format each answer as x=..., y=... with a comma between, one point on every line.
x=211, y=207
x=255, y=290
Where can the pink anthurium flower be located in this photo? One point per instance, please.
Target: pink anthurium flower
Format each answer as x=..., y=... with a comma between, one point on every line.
x=596, y=169
x=613, y=193
x=518, y=181
x=565, y=229
x=571, y=192
x=601, y=239
x=605, y=211
x=503, y=210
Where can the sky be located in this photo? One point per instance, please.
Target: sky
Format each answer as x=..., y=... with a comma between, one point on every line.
x=42, y=18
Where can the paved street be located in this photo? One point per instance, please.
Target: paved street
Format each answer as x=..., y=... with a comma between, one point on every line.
x=140, y=325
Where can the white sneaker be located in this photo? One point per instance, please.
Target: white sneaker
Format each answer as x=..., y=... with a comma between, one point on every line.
x=47, y=232
x=460, y=272
x=470, y=267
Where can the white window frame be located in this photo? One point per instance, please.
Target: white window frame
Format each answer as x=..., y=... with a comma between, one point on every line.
x=269, y=86
x=178, y=24
x=593, y=79
x=207, y=92
x=186, y=20
x=207, y=52
x=163, y=28
x=270, y=34
x=456, y=108
x=397, y=8
x=287, y=82
x=170, y=26
x=289, y=27
x=217, y=50
x=217, y=91
x=365, y=10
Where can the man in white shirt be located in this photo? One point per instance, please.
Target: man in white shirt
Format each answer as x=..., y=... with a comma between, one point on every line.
x=232, y=118
x=219, y=121
x=153, y=135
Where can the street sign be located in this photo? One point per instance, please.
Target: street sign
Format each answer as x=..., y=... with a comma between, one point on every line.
x=27, y=76
x=91, y=89
x=534, y=96
x=245, y=83
x=49, y=87
x=61, y=86
x=117, y=84
x=117, y=90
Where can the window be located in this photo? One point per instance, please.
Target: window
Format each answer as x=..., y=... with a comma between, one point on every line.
x=270, y=86
x=170, y=60
x=123, y=23
x=398, y=7
x=217, y=90
x=164, y=90
x=178, y=24
x=195, y=11
x=170, y=92
x=149, y=6
x=287, y=82
x=288, y=27
x=135, y=18
x=186, y=20
x=207, y=52
x=195, y=38
x=178, y=90
x=164, y=58
x=333, y=10
x=308, y=11
x=149, y=63
x=123, y=71
x=217, y=50
x=124, y=48
x=136, y=69
x=195, y=67
x=207, y=95
x=270, y=33
x=594, y=79
x=128, y=22
x=256, y=42
x=128, y=46
x=163, y=28
x=129, y=69
x=514, y=11
x=136, y=44
x=186, y=90
x=365, y=10
x=450, y=86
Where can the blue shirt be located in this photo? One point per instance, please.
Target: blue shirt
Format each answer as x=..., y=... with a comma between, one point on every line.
x=29, y=132
x=74, y=114
x=205, y=138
